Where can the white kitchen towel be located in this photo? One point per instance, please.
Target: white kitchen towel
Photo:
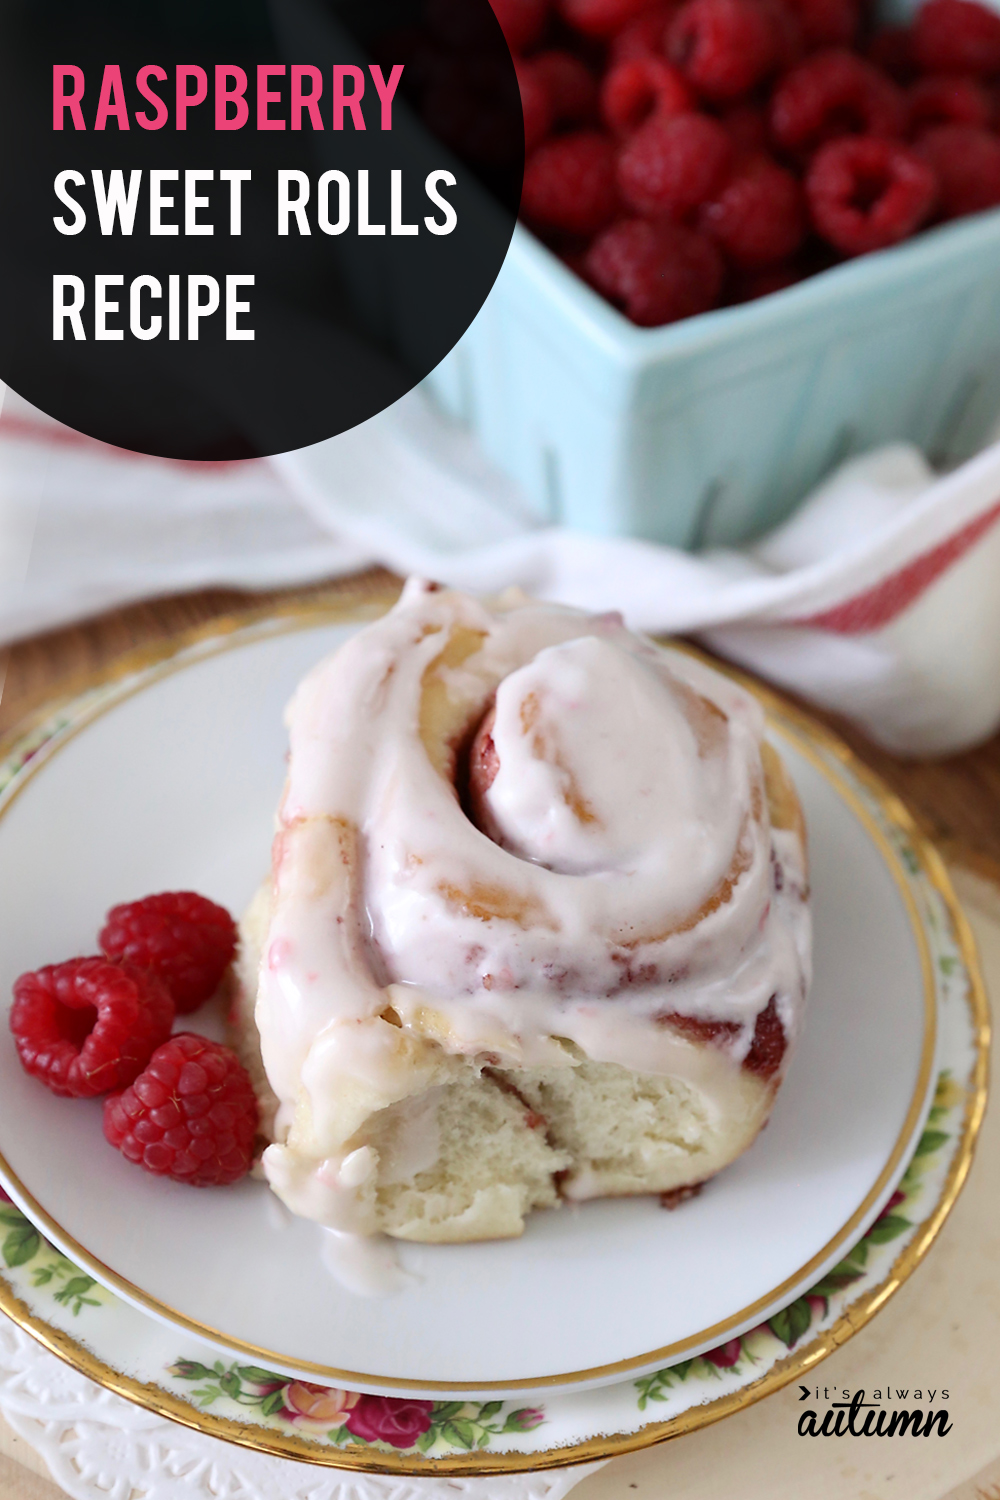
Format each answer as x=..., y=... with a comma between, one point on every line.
x=879, y=598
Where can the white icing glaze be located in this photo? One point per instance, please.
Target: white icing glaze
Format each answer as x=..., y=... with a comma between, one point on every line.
x=415, y=1147
x=633, y=877
x=367, y=1267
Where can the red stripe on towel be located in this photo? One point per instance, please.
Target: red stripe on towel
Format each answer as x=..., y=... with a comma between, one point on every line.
x=882, y=603
x=68, y=437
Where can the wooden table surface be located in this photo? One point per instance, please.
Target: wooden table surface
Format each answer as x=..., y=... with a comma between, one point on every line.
x=956, y=799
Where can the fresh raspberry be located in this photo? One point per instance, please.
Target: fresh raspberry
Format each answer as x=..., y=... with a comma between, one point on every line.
x=521, y=21
x=790, y=46
x=747, y=286
x=576, y=259
x=656, y=273
x=833, y=94
x=891, y=50
x=723, y=47
x=601, y=18
x=966, y=162
x=89, y=1025
x=536, y=105
x=759, y=216
x=957, y=36
x=646, y=36
x=866, y=193
x=569, y=183
x=183, y=938
x=948, y=99
x=827, y=23
x=191, y=1115
x=571, y=87
x=746, y=126
x=669, y=167
x=633, y=91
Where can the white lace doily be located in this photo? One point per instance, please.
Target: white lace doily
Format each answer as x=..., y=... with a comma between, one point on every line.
x=100, y=1447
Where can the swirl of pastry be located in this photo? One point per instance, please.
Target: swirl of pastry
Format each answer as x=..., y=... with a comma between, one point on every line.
x=537, y=923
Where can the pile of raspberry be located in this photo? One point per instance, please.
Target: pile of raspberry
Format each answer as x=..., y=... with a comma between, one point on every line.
x=689, y=154
x=177, y=1104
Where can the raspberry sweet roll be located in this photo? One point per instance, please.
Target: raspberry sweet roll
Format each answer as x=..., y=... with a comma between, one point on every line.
x=537, y=926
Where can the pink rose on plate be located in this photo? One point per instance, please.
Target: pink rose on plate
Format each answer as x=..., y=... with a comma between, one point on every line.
x=894, y=1202
x=394, y=1419
x=305, y=1402
x=726, y=1355
x=526, y=1419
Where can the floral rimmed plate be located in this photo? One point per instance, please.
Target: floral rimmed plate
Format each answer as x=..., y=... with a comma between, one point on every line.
x=136, y=1356
x=280, y=1409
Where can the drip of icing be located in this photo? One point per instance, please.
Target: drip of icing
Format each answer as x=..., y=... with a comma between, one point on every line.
x=633, y=876
x=366, y=1265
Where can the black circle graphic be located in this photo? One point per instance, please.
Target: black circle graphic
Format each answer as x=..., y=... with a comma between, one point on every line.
x=235, y=227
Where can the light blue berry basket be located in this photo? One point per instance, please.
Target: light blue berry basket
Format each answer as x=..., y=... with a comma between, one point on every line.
x=710, y=430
